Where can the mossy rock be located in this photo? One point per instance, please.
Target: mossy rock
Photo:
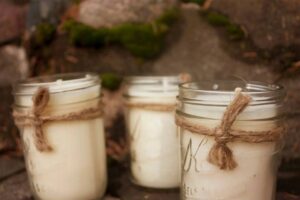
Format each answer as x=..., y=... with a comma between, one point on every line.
x=43, y=34
x=217, y=19
x=76, y=1
x=110, y=81
x=200, y=2
x=82, y=35
x=234, y=31
x=143, y=40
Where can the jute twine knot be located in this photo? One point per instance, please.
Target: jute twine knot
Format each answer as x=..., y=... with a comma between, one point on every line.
x=220, y=154
x=37, y=117
x=151, y=106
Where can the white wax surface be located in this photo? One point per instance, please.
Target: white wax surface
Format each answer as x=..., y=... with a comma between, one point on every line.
x=255, y=176
x=160, y=91
x=63, y=97
x=154, y=145
x=76, y=169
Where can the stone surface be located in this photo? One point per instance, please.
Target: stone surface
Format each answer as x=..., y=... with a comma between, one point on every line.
x=292, y=116
x=13, y=67
x=107, y=13
x=107, y=59
x=46, y=10
x=13, y=64
x=199, y=50
x=268, y=23
x=12, y=21
x=286, y=196
x=15, y=188
x=128, y=191
x=9, y=166
x=8, y=131
x=192, y=46
x=113, y=102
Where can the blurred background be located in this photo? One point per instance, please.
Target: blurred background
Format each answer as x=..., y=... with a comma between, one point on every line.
x=210, y=39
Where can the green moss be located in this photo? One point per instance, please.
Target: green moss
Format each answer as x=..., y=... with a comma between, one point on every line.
x=144, y=40
x=200, y=2
x=43, y=35
x=76, y=1
x=110, y=81
x=82, y=35
x=217, y=19
x=233, y=31
x=169, y=17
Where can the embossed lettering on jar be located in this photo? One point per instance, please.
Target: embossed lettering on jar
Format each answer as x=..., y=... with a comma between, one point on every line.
x=231, y=138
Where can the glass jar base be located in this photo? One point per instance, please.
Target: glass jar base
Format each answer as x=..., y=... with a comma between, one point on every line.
x=152, y=189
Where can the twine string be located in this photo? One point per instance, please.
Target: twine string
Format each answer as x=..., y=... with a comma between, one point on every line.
x=220, y=154
x=37, y=117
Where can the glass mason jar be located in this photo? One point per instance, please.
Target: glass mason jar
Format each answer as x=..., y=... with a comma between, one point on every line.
x=75, y=167
x=254, y=175
x=154, y=143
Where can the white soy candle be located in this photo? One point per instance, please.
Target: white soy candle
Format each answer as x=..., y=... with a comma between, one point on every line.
x=154, y=143
x=254, y=178
x=76, y=166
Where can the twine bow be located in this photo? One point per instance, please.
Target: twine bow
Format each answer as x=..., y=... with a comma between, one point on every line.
x=37, y=117
x=220, y=154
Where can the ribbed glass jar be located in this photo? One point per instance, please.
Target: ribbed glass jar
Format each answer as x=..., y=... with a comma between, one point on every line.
x=254, y=178
x=76, y=167
x=154, y=144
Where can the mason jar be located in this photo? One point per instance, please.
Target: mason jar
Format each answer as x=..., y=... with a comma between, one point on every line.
x=154, y=143
x=59, y=118
x=242, y=164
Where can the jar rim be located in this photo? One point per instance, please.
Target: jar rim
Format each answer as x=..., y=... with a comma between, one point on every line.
x=259, y=91
x=151, y=86
x=57, y=83
x=152, y=79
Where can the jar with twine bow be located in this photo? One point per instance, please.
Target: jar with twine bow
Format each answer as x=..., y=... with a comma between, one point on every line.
x=150, y=103
x=231, y=139
x=60, y=121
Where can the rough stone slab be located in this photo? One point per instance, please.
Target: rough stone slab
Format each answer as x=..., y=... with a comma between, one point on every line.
x=45, y=10
x=12, y=21
x=7, y=128
x=13, y=64
x=269, y=23
x=15, y=188
x=289, y=176
x=108, y=13
x=13, y=67
x=10, y=166
x=292, y=141
x=286, y=196
x=129, y=191
x=111, y=198
x=197, y=48
x=291, y=111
